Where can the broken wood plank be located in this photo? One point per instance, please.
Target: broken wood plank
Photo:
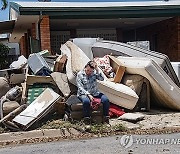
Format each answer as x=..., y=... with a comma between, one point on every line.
x=119, y=74
x=17, y=78
x=11, y=125
x=118, y=69
x=62, y=82
x=59, y=64
x=12, y=114
x=31, y=79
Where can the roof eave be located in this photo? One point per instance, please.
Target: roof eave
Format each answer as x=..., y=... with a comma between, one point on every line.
x=104, y=13
x=100, y=12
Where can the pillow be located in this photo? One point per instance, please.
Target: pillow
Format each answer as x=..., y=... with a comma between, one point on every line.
x=132, y=117
x=104, y=63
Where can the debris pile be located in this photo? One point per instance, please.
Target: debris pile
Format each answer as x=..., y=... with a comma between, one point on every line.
x=34, y=88
x=30, y=89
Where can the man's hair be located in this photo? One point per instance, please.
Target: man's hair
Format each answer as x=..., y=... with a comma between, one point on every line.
x=90, y=64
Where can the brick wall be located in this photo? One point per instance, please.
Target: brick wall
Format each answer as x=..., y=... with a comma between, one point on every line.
x=25, y=44
x=45, y=34
x=33, y=31
x=22, y=45
x=164, y=37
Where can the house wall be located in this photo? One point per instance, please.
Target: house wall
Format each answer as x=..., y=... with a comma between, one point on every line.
x=60, y=37
x=25, y=43
x=45, y=34
x=33, y=31
x=22, y=45
x=164, y=37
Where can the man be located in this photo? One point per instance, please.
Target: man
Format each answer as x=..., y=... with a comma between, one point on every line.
x=87, y=90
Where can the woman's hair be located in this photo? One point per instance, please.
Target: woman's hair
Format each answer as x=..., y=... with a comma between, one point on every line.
x=90, y=64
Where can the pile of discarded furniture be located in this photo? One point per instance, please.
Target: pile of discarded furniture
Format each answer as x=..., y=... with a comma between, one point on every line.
x=153, y=66
x=33, y=88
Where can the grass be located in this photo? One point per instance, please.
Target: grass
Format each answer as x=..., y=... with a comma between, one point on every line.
x=55, y=121
x=104, y=128
x=56, y=124
x=80, y=126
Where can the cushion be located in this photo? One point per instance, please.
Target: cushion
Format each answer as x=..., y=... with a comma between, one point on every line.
x=132, y=117
x=104, y=63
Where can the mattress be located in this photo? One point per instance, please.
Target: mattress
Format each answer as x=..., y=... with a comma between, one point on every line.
x=119, y=94
x=165, y=90
x=85, y=45
x=103, y=47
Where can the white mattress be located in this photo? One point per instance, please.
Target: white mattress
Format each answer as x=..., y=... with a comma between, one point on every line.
x=85, y=45
x=103, y=47
x=99, y=48
x=70, y=74
x=119, y=94
x=165, y=90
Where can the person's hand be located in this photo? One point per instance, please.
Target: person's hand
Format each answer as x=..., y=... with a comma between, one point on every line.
x=91, y=97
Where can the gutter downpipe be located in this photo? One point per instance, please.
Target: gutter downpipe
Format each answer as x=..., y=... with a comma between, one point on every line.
x=39, y=33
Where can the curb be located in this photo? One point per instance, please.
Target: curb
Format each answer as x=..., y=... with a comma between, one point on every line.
x=50, y=135
x=38, y=136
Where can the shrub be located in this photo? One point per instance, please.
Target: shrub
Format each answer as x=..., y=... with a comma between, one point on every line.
x=4, y=50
